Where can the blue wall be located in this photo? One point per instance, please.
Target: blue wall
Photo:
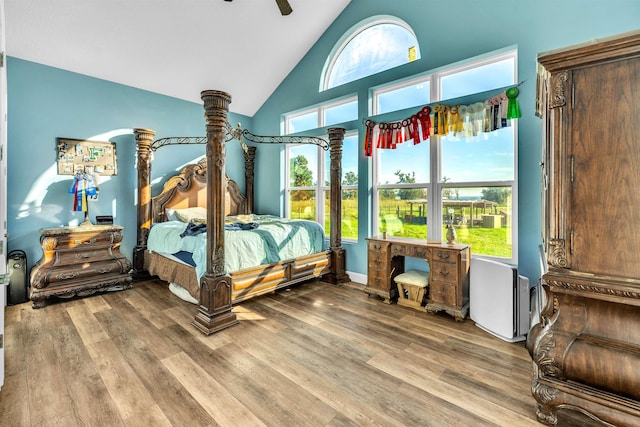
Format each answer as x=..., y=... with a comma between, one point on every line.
x=448, y=32
x=45, y=103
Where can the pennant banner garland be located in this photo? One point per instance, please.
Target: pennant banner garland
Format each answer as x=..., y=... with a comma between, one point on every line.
x=457, y=120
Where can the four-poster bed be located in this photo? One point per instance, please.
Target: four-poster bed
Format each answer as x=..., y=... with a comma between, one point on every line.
x=206, y=185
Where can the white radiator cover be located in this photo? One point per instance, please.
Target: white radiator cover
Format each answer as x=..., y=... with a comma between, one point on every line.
x=499, y=299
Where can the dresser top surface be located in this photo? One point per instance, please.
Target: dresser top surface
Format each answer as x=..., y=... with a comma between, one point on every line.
x=59, y=231
x=418, y=242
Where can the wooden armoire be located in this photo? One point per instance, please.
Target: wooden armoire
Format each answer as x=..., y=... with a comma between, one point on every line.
x=586, y=348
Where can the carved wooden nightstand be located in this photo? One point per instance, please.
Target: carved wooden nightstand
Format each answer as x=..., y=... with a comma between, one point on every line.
x=79, y=261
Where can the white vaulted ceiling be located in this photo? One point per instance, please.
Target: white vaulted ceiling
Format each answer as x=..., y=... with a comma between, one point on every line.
x=173, y=47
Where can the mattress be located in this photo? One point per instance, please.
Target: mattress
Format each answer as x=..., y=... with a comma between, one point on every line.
x=267, y=240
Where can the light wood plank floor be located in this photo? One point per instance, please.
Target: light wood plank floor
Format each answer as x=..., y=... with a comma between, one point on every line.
x=314, y=355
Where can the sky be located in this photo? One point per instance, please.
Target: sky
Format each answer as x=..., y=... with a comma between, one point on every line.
x=463, y=159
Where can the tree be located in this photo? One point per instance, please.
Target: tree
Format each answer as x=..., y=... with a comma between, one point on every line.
x=387, y=194
x=350, y=178
x=446, y=192
x=301, y=176
x=496, y=194
x=408, y=193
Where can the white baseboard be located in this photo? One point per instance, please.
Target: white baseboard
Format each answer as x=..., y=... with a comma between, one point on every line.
x=357, y=277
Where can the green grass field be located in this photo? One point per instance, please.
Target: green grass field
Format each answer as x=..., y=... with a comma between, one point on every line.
x=486, y=241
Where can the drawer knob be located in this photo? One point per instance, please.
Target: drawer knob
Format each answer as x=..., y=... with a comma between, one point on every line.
x=444, y=272
x=85, y=255
x=443, y=255
x=88, y=242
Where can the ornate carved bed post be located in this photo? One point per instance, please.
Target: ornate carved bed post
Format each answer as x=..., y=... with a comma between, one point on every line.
x=215, y=310
x=338, y=271
x=249, y=160
x=144, y=139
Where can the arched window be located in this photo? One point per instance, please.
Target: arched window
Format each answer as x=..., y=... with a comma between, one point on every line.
x=378, y=44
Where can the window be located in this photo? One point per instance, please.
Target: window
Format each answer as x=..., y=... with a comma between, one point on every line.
x=309, y=176
x=468, y=181
x=402, y=177
x=416, y=92
x=477, y=77
x=303, y=161
x=341, y=111
x=369, y=48
x=302, y=121
x=349, y=181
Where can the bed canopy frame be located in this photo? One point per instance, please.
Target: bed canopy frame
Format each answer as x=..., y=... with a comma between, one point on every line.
x=215, y=302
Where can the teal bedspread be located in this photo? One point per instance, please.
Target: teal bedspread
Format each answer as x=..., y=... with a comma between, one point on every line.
x=275, y=239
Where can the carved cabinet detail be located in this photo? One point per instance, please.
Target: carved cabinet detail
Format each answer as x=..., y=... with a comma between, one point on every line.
x=586, y=348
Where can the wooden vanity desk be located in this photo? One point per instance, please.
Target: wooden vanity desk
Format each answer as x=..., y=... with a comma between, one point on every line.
x=448, y=277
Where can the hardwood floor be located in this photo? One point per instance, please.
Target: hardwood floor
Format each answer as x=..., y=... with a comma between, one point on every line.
x=315, y=355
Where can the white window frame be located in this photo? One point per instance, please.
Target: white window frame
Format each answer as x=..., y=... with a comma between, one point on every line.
x=351, y=34
x=435, y=186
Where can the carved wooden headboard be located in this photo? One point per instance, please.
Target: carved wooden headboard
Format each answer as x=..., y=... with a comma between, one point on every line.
x=189, y=189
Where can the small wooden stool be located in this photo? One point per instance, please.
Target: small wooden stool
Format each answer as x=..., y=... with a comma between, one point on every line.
x=412, y=288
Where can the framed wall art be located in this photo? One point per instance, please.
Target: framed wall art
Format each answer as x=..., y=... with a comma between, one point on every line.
x=85, y=156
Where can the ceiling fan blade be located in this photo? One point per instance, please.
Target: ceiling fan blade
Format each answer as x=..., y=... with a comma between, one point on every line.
x=285, y=7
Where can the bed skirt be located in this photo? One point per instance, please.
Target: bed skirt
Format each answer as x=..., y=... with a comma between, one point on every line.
x=248, y=282
x=172, y=270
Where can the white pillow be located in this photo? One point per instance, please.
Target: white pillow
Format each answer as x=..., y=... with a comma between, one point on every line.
x=171, y=214
x=195, y=214
x=243, y=219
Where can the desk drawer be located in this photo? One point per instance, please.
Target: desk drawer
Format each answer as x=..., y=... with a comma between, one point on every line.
x=378, y=247
x=378, y=264
x=443, y=255
x=418, y=252
x=443, y=293
x=444, y=272
x=378, y=279
x=378, y=257
x=400, y=250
